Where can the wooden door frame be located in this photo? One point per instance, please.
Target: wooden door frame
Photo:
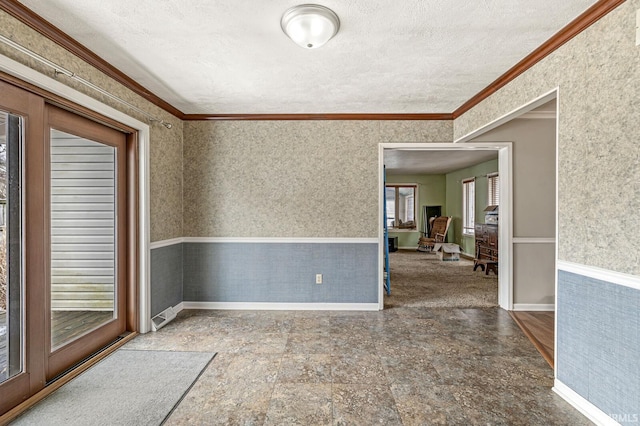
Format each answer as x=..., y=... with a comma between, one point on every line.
x=35, y=330
x=62, y=95
x=138, y=254
x=31, y=379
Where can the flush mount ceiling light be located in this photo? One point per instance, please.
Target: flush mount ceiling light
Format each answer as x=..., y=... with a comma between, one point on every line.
x=310, y=25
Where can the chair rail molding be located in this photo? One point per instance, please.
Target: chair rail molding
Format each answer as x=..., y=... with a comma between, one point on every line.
x=534, y=240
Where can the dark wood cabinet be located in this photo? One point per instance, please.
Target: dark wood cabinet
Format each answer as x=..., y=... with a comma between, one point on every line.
x=486, y=236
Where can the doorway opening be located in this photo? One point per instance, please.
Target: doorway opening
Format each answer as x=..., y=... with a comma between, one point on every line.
x=434, y=265
x=461, y=158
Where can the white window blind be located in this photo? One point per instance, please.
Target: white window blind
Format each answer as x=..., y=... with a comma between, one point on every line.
x=468, y=206
x=493, y=181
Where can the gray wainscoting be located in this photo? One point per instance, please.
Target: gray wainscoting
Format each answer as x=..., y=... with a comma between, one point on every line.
x=281, y=272
x=598, y=353
x=166, y=277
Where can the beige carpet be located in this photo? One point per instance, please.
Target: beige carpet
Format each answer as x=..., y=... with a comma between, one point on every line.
x=422, y=280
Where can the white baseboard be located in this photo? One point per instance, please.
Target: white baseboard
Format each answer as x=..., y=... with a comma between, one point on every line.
x=178, y=307
x=592, y=412
x=534, y=307
x=266, y=306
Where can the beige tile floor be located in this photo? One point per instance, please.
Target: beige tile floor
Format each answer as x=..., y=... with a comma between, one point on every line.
x=401, y=366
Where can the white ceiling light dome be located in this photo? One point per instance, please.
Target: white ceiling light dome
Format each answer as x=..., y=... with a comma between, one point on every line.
x=310, y=25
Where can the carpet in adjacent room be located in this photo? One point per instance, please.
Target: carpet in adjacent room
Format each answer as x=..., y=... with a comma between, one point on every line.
x=421, y=279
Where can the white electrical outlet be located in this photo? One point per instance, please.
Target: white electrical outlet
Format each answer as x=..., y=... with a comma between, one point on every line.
x=318, y=278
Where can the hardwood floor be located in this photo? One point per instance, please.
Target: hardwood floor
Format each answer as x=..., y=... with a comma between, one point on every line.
x=539, y=328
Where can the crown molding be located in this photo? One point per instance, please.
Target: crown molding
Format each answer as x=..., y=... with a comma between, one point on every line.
x=575, y=27
x=339, y=116
x=48, y=30
x=53, y=33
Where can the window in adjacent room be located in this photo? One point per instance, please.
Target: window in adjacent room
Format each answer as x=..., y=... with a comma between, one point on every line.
x=401, y=206
x=468, y=205
x=493, y=181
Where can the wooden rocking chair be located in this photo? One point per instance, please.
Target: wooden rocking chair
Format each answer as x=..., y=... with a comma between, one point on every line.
x=439, y=228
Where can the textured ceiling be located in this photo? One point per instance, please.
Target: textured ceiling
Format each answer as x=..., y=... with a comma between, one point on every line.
x=410, y=162
x=225, y=57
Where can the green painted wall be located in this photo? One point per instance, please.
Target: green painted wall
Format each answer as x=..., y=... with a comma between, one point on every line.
x=454, y=200
x=432, y=191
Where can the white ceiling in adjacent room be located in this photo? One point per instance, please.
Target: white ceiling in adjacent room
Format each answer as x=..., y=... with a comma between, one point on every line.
x=414, y=162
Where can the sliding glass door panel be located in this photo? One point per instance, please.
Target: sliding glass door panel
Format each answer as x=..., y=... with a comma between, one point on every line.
x=87, y=237
x=68, y=239
x=11, y=245
x=21, y=229
x=83, y=247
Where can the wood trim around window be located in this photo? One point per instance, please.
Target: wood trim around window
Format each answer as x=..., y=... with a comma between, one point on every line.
x=416, y=208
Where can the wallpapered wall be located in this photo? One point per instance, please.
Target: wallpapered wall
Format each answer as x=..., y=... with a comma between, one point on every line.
x=534, y=174
x=165, y=144
x=290, y=178
x=598, y=76
x=534, y=205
